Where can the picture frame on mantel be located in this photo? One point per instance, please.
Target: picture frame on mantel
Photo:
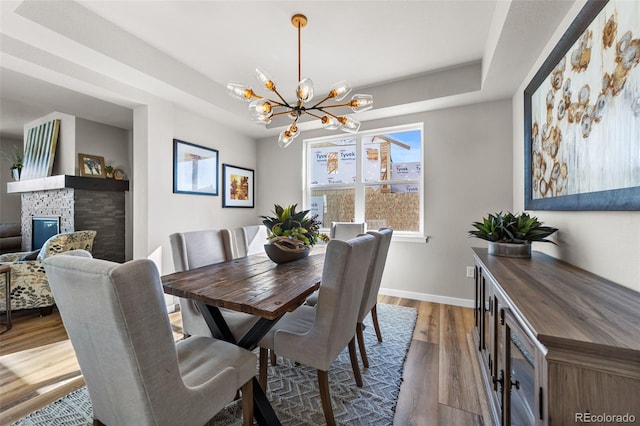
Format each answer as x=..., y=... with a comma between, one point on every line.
x=238, y=184
x=582, y=115
x=91, y=166
x=195, y=169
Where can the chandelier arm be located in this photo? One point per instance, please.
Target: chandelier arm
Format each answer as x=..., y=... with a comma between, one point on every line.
x=281, y=113
x=328, y=113
x=331, y=106
x=313, y=115
x=281, y=98
x=319, y=103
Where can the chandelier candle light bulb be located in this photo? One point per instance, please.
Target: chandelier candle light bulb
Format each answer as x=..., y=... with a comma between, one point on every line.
x=263, y=110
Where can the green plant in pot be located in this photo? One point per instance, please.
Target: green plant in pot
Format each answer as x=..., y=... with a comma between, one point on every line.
x=15, y=159
x=511, y=235
x=291, y=233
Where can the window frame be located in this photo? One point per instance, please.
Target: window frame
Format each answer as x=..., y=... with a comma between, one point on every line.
x=360, y=185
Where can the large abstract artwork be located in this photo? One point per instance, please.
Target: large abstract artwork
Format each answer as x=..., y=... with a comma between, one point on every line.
x=40, y=150
x=582, y=115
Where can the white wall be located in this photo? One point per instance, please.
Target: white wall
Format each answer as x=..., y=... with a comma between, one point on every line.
x=468, y=172
x=9, y=203
x=162, y=212
x=99, y=139
x=606, y=243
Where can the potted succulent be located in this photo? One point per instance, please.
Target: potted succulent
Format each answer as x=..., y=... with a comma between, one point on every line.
x=291, y=233
x=511, y=235
x=16, y=160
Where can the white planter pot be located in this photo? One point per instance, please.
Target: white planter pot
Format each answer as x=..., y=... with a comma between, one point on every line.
x=15, y=173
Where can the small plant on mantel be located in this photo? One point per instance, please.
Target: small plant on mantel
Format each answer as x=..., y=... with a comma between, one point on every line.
x=507, y=228
x=15, y=159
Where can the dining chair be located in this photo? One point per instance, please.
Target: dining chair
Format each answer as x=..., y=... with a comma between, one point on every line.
x=345, y=230
x=255, y=237
x=200, y=248
x=316, y=336
x=117, y=321
x=372, y=287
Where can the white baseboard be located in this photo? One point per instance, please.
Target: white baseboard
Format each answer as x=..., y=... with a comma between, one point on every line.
x=465, y=303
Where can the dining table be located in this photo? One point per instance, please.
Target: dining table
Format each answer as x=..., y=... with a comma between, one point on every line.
x=254, y=285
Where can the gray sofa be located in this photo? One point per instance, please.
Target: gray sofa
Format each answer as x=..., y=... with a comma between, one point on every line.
x=10, y=237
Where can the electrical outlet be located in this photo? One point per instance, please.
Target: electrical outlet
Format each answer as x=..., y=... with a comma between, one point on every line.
x=469, y=271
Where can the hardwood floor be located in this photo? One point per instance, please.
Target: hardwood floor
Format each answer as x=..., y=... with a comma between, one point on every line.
x=38, y=366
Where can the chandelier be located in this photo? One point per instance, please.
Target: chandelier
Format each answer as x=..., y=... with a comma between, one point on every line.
x=263, y=109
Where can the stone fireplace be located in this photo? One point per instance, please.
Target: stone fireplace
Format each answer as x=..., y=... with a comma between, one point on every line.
x=82, y=203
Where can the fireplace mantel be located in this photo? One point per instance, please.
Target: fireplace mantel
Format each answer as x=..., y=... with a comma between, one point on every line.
x=67, y=181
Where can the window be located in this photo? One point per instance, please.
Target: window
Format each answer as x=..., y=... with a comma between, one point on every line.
x=373, y=177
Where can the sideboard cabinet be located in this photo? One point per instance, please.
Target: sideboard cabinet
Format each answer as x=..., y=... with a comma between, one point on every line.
x=556, y=345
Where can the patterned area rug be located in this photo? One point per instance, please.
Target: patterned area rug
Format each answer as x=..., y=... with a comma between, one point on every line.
x=293, y=390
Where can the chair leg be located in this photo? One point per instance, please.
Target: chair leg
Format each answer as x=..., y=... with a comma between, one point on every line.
x=274, y=357
x=363, y=350
x=264, y=354
x=247, y=403
x=354, y=362
x=374, y=317
x=325, y=397
x=97, y=422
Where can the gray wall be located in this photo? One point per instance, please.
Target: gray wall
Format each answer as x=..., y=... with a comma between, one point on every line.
x=9, y=203
x=468, y=172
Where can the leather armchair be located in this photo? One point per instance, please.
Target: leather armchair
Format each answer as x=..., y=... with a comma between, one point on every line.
x=29, y=285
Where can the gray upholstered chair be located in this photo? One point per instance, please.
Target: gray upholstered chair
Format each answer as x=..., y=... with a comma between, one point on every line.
x=345, y=230
x=244, y=241
x=372, y=287
x=316, y=336
x=135, y=372
x=200, y=248
x=255, y=237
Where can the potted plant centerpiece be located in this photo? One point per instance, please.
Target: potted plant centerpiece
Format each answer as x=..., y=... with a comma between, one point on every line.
x=291, y=233
x=511, y=235
x=16, y=160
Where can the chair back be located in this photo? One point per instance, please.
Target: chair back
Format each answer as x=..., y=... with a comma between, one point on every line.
x=339, y=298
x=198, y=248
x=345, y=230
x=117, y=322
x=244, y=241
x=67, y=241
x=374, y=275
x=255, y=237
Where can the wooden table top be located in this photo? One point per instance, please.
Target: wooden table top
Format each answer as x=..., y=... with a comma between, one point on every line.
x=253, y=284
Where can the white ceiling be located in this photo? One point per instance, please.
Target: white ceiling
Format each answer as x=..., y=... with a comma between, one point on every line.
x=100, y=59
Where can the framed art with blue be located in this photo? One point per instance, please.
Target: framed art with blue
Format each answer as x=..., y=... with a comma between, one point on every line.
x=195, y=169
x=582, y=115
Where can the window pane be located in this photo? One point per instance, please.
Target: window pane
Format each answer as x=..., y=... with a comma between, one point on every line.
x=392, y=156
x=333, y=162
x=397, y=210
x=333, y=205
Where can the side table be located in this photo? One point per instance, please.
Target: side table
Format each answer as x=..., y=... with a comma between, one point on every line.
x=6, y=270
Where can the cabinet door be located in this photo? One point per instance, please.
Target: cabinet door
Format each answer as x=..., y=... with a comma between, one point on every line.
x=520, y=379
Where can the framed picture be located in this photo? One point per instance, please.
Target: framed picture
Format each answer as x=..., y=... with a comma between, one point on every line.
x=91, y=165
x=195, y=169
x=238, y=184
x=582, y=115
